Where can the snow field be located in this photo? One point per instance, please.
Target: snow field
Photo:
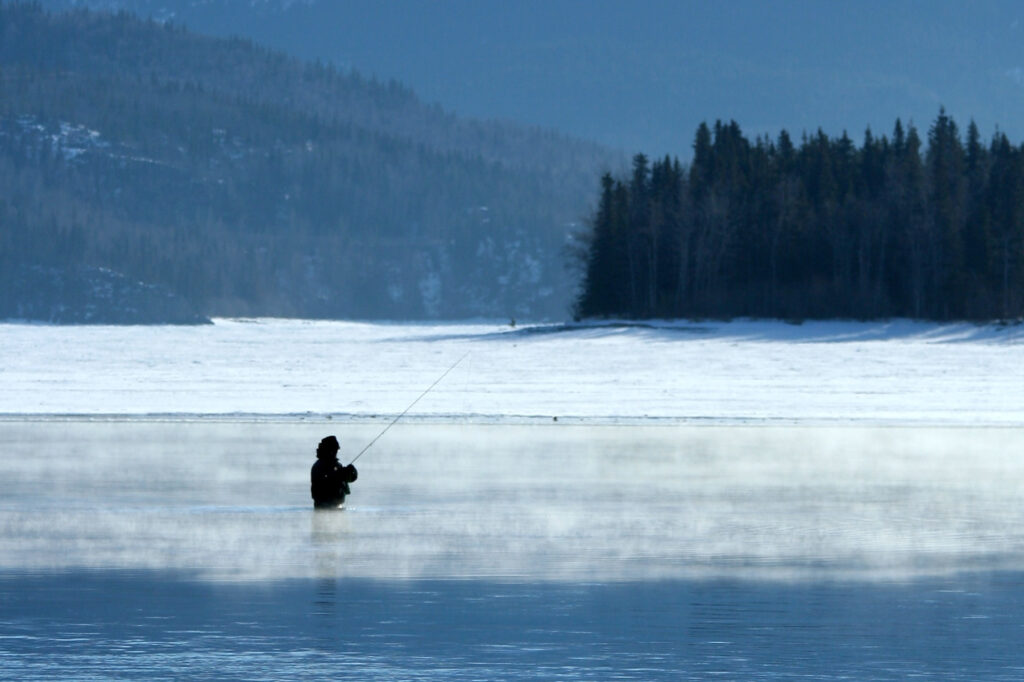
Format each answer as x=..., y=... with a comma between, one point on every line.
x=898, y=372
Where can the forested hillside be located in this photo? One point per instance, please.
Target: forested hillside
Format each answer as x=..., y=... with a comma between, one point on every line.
x=898, y=226
x=250, y=183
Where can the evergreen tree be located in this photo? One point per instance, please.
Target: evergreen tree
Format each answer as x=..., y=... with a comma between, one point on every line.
x=946, y=210
x=1006, y=197
x=977, y=229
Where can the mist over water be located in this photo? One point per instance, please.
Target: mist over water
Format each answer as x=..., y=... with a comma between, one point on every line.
x=511, y=551
x=230, y=501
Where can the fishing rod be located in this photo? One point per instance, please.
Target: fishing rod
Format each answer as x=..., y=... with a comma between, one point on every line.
x=436, y=382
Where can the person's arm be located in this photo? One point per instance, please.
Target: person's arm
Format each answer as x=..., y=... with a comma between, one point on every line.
x=350, y=473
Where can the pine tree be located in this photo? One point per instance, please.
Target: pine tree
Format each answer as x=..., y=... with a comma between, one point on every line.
x=977, y=231
x=1006, y=199
x=946, y=199
x=642, y=245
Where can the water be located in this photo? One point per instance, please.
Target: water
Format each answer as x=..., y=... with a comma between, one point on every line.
x=170, y=550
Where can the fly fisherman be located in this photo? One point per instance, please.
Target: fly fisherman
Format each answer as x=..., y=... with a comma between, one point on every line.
x=328, y=478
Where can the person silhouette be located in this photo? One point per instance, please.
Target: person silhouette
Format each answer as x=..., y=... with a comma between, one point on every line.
x=328, y=479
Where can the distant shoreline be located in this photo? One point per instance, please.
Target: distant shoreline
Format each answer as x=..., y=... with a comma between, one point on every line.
x=500, y=421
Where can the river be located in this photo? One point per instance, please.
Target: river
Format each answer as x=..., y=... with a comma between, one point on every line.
x=188, y=548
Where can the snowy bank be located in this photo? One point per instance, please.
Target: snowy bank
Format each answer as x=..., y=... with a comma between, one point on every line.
x=897, y=372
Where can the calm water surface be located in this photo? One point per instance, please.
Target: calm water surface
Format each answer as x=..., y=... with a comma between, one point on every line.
x=189, y=550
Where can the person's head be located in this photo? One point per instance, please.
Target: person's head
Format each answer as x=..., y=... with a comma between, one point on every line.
x=328, y=448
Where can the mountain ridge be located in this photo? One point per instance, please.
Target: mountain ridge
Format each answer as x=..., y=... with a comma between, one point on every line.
x=252, y=183
x=642, y=76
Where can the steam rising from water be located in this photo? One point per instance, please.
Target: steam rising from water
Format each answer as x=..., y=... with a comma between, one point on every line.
x=230, y=501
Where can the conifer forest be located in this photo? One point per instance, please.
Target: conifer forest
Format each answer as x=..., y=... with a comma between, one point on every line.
x=897, y=226
x=243, y=181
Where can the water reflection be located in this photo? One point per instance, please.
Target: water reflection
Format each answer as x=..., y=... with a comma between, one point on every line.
x=328, y=531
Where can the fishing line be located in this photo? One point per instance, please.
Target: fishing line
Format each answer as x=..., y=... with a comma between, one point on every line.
x=408, y=408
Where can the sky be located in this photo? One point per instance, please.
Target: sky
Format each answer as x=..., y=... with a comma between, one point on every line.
x=641, y=76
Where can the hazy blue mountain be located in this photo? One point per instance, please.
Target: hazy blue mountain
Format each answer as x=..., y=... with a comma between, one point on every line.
x=642, y=75
x=233, y=179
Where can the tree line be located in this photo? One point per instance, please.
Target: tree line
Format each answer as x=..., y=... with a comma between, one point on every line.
x=897, y=227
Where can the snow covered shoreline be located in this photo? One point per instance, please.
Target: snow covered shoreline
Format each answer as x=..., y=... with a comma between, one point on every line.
x=898, y=372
